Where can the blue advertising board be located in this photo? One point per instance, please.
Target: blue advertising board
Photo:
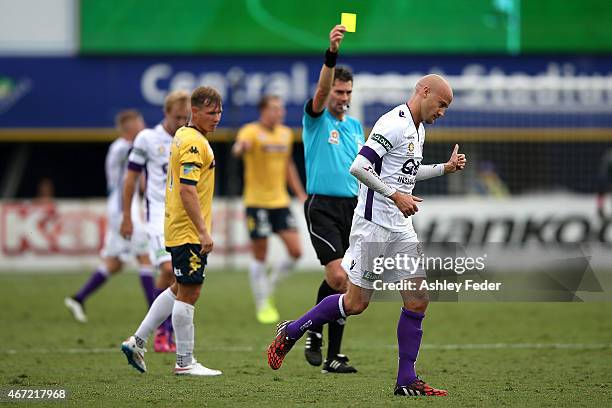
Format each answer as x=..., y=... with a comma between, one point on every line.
x=86, y=92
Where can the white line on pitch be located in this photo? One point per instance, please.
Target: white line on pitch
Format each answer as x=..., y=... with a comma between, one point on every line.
x=230, y=349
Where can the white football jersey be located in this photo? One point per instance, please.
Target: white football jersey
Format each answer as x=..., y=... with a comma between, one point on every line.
x=115, y=166
x=152, y=151
x=399, y=145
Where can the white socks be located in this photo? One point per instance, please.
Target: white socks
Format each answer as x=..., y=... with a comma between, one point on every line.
x=259, y=282
x=158, y=312
x=280, y=271
x=182, y=320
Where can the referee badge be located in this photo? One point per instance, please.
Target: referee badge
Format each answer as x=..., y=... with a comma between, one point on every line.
x=334, y=137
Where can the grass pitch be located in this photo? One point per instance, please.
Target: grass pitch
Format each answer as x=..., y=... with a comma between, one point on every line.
x=485, y=354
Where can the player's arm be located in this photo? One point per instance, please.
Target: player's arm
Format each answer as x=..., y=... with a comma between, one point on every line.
x=363, y=169
x=129, y=187
x=191, y=203
x=294, y=182
x=111, y=167
x=326, y=77
x=456, y=162
x=191, y=161
x=136, y=161
x=244, y=142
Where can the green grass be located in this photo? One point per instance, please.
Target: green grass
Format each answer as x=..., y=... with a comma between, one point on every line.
x=41, y=346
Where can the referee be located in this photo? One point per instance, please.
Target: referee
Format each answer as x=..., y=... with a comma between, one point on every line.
x=331, y=142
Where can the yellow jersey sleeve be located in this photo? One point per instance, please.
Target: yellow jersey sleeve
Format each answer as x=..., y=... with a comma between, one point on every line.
x=247, y=133
x=192, y=153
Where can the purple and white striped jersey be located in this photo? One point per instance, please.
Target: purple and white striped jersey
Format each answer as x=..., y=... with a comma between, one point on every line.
x=151, y=152
x=395, y=147
x=115, y=166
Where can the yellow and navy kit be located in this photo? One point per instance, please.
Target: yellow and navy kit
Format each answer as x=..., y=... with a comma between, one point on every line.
x=265, y=165
x=191, y=162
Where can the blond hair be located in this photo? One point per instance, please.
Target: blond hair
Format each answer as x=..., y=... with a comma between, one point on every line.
x=175, y=97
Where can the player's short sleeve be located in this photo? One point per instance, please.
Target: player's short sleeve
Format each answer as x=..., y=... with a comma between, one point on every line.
x=138, y=154
x=246, y=133
x=191, y=154
x=382, y=139
x=311, y=119
x=312, y=126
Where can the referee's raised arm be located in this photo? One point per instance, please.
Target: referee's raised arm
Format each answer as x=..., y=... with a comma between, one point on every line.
x=326, y=77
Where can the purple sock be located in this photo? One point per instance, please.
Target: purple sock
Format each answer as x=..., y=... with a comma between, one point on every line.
x=328, y=310
x=96, y=280
x=148, y=285
x=409, y=336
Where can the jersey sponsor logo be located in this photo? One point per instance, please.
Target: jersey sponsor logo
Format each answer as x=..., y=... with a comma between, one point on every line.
x=139, y=152
x=334, y=137
x=406, y=179
x=411, y=167
x=271, y=148
x=194, y=150
x=382, y=141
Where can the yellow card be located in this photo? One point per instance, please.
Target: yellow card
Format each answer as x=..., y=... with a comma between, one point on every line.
x=349, y=20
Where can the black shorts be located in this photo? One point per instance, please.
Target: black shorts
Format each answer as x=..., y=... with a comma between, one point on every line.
x=261, y=222
x=329, y=225
x=188, y=264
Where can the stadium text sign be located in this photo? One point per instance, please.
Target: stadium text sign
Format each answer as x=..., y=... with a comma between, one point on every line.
x=543, y=85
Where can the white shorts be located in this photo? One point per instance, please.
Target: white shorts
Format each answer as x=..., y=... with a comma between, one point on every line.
x=369, y=241
x=157, y=244
x=115, y=246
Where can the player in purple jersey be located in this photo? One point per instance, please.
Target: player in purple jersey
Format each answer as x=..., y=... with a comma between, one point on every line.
x=117, y=249
x=388, y=166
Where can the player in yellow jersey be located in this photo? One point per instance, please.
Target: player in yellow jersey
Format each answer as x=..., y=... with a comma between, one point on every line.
x=188, y=219
x=266, y=147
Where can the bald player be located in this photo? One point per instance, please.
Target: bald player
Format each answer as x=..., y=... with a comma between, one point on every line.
x=387, y=166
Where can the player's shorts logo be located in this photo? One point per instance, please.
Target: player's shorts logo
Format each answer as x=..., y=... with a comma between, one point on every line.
x=194, y=262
